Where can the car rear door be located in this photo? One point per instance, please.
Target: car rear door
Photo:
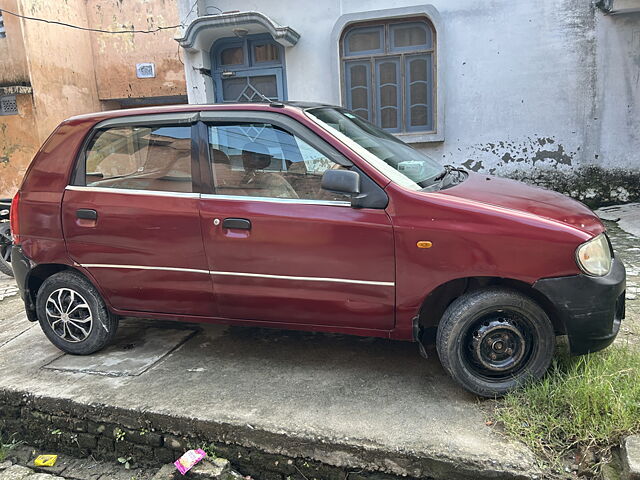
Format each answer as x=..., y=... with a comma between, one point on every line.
x=131, y=219
x=280, y=249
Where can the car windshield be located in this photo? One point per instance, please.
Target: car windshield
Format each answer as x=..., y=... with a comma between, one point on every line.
x=409, y=167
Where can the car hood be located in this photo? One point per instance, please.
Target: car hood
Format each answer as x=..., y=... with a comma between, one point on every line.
x=519, y=196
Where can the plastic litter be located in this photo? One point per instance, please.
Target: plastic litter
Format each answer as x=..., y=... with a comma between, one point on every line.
x=187, y=461
x=45, y=460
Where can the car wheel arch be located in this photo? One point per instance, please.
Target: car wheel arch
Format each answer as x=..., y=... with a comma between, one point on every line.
x=41, y=272
x=438, y=300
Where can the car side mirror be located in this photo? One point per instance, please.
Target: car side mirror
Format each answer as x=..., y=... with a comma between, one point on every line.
x=341, y=181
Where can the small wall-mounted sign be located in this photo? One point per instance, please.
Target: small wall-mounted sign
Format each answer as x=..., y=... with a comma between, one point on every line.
x=146, y=70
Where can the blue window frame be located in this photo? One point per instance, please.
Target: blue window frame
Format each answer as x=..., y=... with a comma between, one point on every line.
x=358, y=75
x=388, y=72
x=244, y=69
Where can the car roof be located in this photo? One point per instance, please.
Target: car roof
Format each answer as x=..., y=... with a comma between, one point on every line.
x=185, y=108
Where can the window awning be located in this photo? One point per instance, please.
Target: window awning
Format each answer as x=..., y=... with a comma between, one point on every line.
x=203, y=31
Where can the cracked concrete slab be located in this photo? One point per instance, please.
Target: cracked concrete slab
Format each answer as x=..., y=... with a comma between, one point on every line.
x=363, y=403
x=133, y=352
x=12, y=329
x=627, y=216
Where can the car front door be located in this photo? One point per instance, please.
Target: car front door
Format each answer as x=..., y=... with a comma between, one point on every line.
x=280, y=248
x=131, y=217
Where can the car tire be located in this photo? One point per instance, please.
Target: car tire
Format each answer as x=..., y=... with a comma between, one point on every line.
x=493, y=340
x=73, y=315
x=5, y=249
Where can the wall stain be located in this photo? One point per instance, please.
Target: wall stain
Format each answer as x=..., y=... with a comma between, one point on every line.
x=591, y=184
x=531, y=151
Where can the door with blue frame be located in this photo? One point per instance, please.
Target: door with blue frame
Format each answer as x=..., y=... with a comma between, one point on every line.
x=248, y=69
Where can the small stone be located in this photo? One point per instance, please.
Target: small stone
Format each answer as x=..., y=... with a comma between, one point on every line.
x=163, y=455
x=5, y=465
x=174, y=443
x=631, y=457
x=16, y=472
x=207, y=469
x=609, y=472
x=165, y=473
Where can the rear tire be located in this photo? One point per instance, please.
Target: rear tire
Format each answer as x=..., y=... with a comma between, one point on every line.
x=493, y=340
x=72, y=314
x=6, y=242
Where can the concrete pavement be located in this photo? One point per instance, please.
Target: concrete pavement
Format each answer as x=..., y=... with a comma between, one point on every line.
x=348, y=402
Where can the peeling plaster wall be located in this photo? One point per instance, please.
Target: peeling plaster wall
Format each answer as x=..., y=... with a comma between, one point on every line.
x=617, y=141
x=116, y=55
x=13, y=59
x=18, y=145
x=533, y=90
x=71, y=70
x=60, y=63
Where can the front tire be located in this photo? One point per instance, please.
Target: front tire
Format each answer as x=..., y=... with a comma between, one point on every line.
x=72, y=314
x=493, y=340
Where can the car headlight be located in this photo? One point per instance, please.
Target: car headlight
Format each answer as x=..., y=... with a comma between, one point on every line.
x=594, y=256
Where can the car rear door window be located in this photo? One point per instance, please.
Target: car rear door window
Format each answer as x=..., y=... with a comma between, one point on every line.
x=263, y=160
x=140, y=158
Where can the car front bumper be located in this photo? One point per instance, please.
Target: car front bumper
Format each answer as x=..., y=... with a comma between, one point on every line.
x=591, y=308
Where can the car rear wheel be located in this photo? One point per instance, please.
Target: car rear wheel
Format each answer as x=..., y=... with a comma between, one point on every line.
x=73, y=315
x=490, y=341
x=5, y=249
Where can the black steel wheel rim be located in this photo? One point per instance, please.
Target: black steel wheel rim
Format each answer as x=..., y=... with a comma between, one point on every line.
x=499, y=344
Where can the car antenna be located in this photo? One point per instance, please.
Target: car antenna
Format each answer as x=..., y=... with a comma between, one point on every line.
x=272, y=103
x=263, y=97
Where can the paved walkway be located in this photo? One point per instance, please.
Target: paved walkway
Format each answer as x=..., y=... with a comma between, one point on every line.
x=627, y=247
x=16, y=472
x=8, y=287
x=67, y=468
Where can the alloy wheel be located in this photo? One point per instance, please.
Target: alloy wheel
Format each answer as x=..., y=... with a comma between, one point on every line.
x=69, y=315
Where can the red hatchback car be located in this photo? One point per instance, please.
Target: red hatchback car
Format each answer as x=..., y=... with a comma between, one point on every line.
x=305, y=216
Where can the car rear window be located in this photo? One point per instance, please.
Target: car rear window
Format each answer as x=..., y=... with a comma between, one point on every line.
x=140, y=158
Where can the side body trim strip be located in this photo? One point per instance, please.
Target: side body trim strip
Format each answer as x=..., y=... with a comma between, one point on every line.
x=241, y=274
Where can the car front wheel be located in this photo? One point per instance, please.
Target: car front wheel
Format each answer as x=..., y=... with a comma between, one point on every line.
x=492, y=340
x=73, y=315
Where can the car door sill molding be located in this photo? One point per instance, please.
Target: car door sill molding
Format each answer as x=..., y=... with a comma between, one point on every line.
x=241, y=274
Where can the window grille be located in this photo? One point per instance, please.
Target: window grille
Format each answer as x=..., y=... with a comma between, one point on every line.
x=8, y=105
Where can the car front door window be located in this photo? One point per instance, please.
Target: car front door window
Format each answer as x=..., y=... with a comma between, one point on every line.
x=263, y=160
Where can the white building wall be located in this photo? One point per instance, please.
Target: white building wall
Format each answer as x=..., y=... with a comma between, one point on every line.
x=530, y=86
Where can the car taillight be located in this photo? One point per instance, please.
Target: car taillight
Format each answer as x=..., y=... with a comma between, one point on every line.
x=13, y=219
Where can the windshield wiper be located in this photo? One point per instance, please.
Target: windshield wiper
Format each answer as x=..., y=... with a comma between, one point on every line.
x=447, y=170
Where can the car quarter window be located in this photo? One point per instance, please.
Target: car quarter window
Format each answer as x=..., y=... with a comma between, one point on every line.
x=140, y=158
x=264, y=160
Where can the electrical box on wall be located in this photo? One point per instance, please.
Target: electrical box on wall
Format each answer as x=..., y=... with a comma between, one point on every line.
x=146, y=70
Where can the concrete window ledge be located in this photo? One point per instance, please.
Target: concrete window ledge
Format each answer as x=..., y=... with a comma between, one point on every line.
x=420, y=137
